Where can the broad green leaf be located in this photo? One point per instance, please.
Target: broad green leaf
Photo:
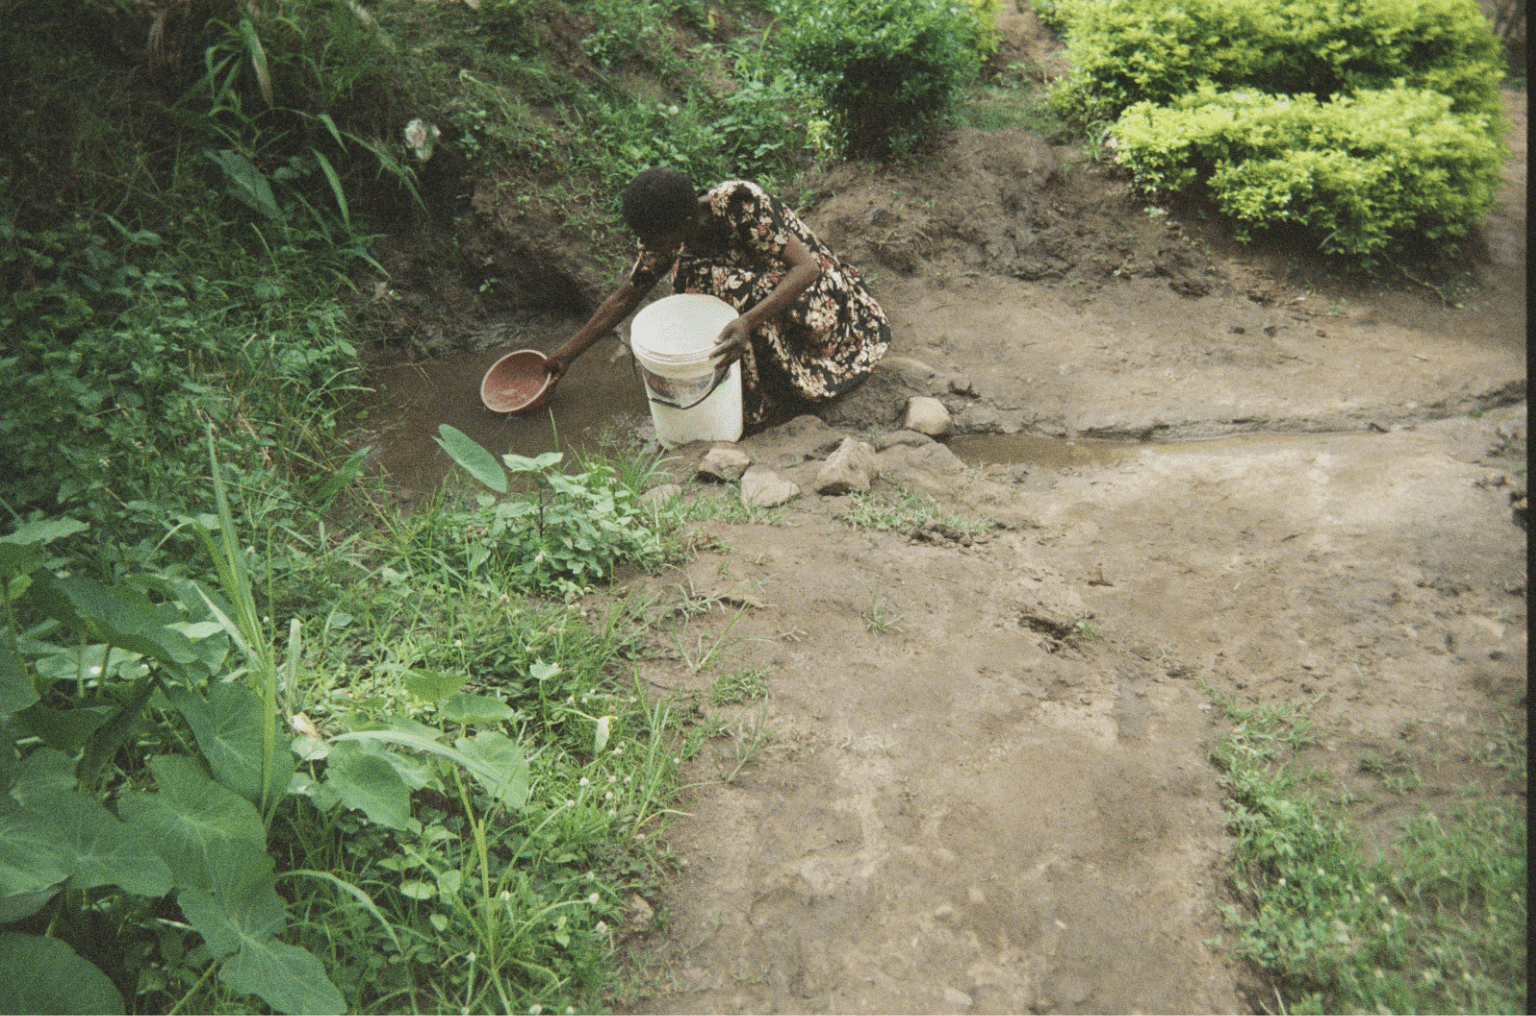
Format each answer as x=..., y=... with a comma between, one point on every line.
x=433, y=685
x=121, y=616
x=24, y=905
x=105, y=851
x=523, y=464
x=32, y=859
x=16, y=692
x=465, y=708
x=289, y=979
x=44, y=975
x=44, y=771
x=370, y=784
x=65, y=729
x=491, y=764
x=191, y=820
x=500, y=766
x=241, y=906
x=228, y=728
x=468, y=453
x=45, y=531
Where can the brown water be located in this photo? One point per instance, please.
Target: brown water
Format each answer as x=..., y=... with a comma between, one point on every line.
x=598, y=399
x=1043, y=452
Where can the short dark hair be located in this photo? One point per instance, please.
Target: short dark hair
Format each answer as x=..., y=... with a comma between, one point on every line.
x=659, y=200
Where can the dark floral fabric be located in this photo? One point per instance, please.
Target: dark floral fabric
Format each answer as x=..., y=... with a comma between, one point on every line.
x=823, y=345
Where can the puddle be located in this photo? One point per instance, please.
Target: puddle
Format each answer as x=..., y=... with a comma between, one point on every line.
x=598, y=397
x=1042, y=452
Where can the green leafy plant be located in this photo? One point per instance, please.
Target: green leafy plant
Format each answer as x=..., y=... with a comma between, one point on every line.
x=889, y=71
x=568, y=533
x=1365, y=173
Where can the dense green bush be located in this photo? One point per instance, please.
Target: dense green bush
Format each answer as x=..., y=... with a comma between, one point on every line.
x=1361, y=171
x=888, y=70
x=1157, y=50
x=1372, y=124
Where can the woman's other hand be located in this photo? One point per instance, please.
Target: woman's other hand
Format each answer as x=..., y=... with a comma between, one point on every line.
x=732, y=343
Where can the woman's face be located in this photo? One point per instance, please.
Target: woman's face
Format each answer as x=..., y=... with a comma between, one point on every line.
x=675, y=238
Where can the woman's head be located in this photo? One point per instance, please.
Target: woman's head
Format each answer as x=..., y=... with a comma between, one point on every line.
x=659, y=202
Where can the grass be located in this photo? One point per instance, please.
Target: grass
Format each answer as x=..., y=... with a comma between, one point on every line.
x=907, y=510
x=879, y=620
x=736, y=686
x=1436, y=925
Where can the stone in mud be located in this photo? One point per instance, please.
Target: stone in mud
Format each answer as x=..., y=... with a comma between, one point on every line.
x=927, y=416
x=910, y=438
x=766, y=489
x=850, y=468
x=724, y=464
x=658, y=496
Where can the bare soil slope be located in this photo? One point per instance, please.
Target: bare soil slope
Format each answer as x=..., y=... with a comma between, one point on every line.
x=979, y=782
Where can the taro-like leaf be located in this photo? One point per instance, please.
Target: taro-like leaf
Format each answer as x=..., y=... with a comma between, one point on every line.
x=433, y=685
x=102, y=850
x=289, y=979
x=241, y=904
x=370, y=784
x=500, y=768
x=32, y=859
x=191, y=820
x=45, y=531
x=16, y=692
x=65, y=729
x=44, y=975
x=44, y=771
x=470, y=454
x=467, y=709
x=227, y=725
x=120, y=615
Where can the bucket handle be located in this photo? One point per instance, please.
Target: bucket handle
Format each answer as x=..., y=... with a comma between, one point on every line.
x=720, y=376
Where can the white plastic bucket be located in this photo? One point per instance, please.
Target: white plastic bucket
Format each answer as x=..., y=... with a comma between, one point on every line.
x=690, y=399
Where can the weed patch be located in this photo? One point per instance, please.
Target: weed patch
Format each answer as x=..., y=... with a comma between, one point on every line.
x=1439, y=926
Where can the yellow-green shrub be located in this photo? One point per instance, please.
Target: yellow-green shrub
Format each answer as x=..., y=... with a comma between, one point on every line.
x=1367, y=173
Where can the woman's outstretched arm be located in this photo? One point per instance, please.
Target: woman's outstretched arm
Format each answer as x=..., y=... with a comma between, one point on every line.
x=613, y=310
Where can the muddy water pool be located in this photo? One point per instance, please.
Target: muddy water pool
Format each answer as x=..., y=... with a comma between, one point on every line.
x=601, y=402
x=598, y=399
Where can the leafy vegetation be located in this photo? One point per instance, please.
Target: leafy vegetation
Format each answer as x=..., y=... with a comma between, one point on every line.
x=1437, y=926
x=889, y=71
x=1375, y=127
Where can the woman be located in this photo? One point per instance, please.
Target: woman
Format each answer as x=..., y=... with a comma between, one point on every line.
x=807, y=328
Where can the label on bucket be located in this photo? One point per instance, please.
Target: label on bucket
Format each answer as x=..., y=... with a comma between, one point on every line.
x=680, y=391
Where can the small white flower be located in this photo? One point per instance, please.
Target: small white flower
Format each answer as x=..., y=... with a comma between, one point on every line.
x=95, y=671
x=458, y=643
x=602, y=927
x=585, y=782
x=570, y=802
x=612, y=778
x=471, y=957
x=594, y=899
x=608, y=796
x=628, y=779
x=505, y=895
x=613, y=813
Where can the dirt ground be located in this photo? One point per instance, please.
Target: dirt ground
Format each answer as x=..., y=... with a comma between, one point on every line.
x=1001, y=802
x=979, y=782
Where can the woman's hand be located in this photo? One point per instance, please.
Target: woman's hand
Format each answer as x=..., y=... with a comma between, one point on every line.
x=556, y=365
x=733, y=342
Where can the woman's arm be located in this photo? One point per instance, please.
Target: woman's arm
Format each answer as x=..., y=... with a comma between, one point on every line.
x=736, y=337
x=613, y=310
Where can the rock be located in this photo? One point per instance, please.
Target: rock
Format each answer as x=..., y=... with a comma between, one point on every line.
x=724, y=464
x=961, y=385
x=658, y=496
x=766, y=489
x=927, y=416
x=957, y=999
x=641, y=916
x=910, y=438
x=850, y=468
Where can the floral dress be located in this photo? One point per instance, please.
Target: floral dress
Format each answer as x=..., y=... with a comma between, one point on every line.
x=822, y=345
